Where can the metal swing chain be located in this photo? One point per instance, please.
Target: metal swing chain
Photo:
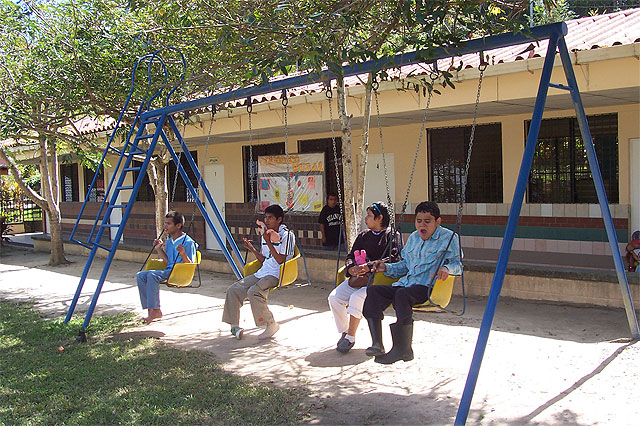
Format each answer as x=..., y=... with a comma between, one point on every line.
x=285, y=102
x=433, y=78
x=481, y=68
x=175, y=178
x=252, y=172
x=329, y=94
x=206, y=151
x=465, y=176
x=392, y=212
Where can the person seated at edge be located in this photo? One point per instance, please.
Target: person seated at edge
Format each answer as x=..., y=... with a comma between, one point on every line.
x=420, y=259
x=329, y=221
x=178, y=248
x=633, y=252
x=277, y=246
x=352, y=291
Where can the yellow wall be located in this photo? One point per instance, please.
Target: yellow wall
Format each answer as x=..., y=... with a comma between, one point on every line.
x=511, y=81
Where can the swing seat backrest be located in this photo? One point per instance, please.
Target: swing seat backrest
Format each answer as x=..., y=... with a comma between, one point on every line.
x=440, y=295
x=288, y=270
x=182, y=273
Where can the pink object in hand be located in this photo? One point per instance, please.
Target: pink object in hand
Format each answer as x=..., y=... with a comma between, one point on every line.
x=360, y=257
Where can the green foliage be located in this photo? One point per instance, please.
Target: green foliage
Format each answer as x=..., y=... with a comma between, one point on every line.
x=31, y=175
x=559, y=11
x=119, y=379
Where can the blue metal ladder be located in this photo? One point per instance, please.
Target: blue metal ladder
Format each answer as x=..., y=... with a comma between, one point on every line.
x=132, y=147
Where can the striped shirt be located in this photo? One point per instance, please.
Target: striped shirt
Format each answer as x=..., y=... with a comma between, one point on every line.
x=284, y=246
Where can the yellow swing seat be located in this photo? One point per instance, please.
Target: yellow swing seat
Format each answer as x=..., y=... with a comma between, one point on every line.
x=288, y=270
x=181, y=274
x=440, y=295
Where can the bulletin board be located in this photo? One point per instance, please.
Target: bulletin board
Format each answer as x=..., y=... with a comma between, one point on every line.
x=306, y=177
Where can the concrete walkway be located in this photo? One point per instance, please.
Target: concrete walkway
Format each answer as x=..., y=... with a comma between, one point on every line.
x=545, y=363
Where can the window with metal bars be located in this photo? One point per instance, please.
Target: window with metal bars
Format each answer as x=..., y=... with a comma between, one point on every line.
x=145, y=193
x=258, y=150
x=69, y=182
x=181, y=191
x=97, y=193
x=447, y=150
x=560, y=171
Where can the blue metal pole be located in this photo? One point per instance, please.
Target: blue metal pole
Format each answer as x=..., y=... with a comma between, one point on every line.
x=471, y=46
x=507, y=242
x=113, y=178
x=205, y=215
x=113, y=134
x=125, y=216
x=205, y=190
x=602, y=194
x=83, y=277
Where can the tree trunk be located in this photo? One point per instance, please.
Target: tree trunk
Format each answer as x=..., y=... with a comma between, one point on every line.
x=54, y=172
x=55, y=229
x=47, y=169
x=350, y=216
x=158, y=177
x=364, y=146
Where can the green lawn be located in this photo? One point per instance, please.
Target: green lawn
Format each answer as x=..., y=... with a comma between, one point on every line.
x=121, y=380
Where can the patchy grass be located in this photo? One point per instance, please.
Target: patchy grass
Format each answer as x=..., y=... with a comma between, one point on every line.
x=133, y=381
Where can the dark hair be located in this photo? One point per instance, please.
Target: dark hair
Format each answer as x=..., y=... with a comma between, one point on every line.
x=429, y=207
x=178, y=219
x=380, y=209
x=331, y=194
x=275, y=210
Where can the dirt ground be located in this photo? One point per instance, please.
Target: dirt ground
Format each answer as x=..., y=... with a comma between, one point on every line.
x=545, y=364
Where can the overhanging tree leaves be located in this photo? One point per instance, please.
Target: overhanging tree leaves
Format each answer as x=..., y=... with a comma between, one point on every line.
x=271, y=37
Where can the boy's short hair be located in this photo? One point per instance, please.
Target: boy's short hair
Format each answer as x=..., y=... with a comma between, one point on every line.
x=332, y=194
x=429, y=207
x=275, y=210
x=178, y=219
x=380, y=209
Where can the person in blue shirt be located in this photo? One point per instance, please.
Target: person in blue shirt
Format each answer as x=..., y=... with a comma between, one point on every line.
x=419, y=267
x=178, y=248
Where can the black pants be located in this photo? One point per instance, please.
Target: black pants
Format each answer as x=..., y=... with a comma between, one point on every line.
x=379, y=297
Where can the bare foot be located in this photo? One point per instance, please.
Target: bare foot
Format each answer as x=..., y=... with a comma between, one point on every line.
x=154, y=314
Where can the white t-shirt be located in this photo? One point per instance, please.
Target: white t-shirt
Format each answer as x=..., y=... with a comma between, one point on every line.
x=270, y=266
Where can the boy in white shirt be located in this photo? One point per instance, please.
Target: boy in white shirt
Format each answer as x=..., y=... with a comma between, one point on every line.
x=277, y=246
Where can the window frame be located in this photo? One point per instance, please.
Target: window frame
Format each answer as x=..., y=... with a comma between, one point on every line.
x=72, y=169
x=275, y=148
x=478, y=190
x=577, y=185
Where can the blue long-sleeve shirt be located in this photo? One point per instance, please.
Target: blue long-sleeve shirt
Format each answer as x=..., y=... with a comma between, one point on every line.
x=420, y=258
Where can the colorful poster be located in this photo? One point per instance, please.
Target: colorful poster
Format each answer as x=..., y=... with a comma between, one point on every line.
x=302, y=177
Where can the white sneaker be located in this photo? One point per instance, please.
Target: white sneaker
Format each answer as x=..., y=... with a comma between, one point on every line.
x=269, y=331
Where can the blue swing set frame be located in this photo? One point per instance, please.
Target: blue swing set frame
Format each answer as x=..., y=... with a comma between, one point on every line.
x=160, y=117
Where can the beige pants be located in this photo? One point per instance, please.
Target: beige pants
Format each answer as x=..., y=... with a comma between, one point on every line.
x=256, y=290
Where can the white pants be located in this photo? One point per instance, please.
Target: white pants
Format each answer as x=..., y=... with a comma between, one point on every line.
x=344, y=301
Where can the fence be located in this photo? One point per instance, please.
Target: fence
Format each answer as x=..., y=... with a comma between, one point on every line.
x=19, y=209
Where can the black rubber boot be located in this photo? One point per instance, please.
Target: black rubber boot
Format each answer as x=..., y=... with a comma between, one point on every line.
x=376, y=348
x=401, y=350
